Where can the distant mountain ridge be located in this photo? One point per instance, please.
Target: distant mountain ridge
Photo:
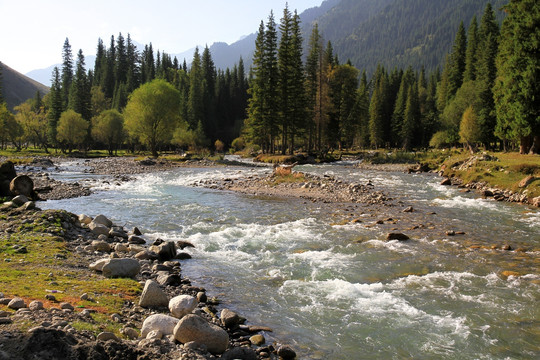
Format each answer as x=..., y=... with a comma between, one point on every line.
x=17, y=88
x=394, y=33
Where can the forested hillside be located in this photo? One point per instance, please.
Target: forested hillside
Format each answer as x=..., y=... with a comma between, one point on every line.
x=398, y=33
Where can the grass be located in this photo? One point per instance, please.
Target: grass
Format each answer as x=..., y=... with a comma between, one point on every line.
x=503, y=171
x=49, y=266
x=293, y=178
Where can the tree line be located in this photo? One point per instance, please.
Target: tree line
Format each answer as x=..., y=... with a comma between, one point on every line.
x=85, y=109
x=486, y=94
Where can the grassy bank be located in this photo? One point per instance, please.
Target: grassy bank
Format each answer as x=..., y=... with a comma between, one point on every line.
x=504, y=171
x=37, y=260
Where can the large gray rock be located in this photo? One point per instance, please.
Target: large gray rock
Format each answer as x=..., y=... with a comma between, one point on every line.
x=153, y=296
x=103, y=220
x=195, y=328
x=19, y=200
x=98, y=229
x=134, y=239
x=121, y=268
x=102, y=246
x=85, y=219
x=16, y=303
x=159, y=322
x=182, y=305
x=166, y=251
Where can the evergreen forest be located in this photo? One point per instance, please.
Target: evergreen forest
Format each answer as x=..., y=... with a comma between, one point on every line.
x=298, y=95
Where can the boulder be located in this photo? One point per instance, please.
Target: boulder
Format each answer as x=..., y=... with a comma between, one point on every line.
x=121, y=268
x=7, y=173
x=166, y=279
x=286, y=352
x=146, y=255
x=397, y=236
x=257, y=340
x=160, y=322
x=121, y=248
x=101, y=246
x=98, y=229
x=16, y=304
x=182, y=305
x=20, y=200
x=99, y=264
x=153, y=296
x=103, y=220
x=195, y=328
x=35, y=305
x=85, y=219
x=22, y=185
x=229, y=318
x=134, y=239
x=106, y=336
x=166, y=251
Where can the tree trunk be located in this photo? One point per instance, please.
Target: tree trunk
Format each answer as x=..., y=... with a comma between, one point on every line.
x=524, y=144
x=535, y=145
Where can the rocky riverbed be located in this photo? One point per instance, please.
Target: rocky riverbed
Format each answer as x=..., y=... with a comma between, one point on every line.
x=169, y=319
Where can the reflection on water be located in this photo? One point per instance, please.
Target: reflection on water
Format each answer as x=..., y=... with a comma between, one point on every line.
x=283, y=264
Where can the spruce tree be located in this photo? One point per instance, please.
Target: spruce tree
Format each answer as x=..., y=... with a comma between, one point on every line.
x=517, y=89
x=100, y=64
x=79, y=97
x=55, y=106
x=471, y=53
x=362, y=112
x=378, y=126
x=1, y=85
x=196, y=92
x=209, y=76
x=67, y=72
x=411, y=119
x=285, y=76
x=313, y=69
x=271, y=76
x=457, y=62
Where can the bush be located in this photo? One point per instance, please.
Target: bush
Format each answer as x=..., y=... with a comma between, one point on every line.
x=238, y=144
x=439, y=140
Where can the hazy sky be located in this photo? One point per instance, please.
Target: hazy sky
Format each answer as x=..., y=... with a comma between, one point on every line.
x=33, y=31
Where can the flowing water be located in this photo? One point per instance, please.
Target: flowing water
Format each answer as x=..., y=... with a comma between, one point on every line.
x=340, y=291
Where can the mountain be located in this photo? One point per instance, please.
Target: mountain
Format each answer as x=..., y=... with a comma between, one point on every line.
x=394, y=33
x=17, y=88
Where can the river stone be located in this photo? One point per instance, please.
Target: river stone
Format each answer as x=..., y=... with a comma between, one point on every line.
x=19, y=200
x=130, y=333
x=101, y=246
x=242, y=353
x=146, y=255
x=195, y=328
x=35, y=305
x=229, y=318
x=99, y=264
x=257, y=340
x=103, y=220
x=106, y=336
x=536, y=201
x=397, y=236
x=134, y=239
x=165, y=251
x=98, y=229
x=153, y=296
x=16, y=304
x=85, y=219
x=182, y=305
x=286, y=352
x=121, y=248
x=22, y=185
x=167, y=279
x=160, y=322
x=121, y=268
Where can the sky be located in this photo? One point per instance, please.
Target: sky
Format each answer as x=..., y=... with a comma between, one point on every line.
x=33, y=31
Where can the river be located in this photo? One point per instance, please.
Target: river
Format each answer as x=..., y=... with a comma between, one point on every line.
x=338, y=290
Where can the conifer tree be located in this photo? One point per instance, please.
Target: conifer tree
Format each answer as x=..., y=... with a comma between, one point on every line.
x=270, y=74
x=67, y=72
x=196, y=92
x=457, y=62
x=100, y=64
x=285, y=77
x=55, y=106
x=517, y=89
x=411, y=119
x=378, y=126
x=1, y=85
x=362, y=111
x=209, y=77
x=109, y=80
x=471, y=53
x=79, y=97
x=313, y=70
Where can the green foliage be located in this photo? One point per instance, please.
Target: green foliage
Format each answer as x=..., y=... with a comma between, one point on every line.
x=238, y=144
x=72, y=129
x=441, y=139
x=152, y=113
x=108, y=128
x=517, y=89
